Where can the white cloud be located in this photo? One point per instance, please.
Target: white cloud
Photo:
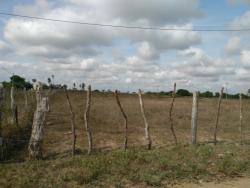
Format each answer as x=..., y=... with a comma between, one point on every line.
x=157, y=12
x=118, y=58
x=245, y=58
x=52, y=39
x=242, y=22
x=146, y=51
x=233, y=46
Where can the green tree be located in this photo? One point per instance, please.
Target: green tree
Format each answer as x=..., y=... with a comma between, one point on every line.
x=207, y=94
x=183, y=92
x=18, y=82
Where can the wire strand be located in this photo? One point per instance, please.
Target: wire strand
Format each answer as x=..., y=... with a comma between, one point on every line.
x=125, y=26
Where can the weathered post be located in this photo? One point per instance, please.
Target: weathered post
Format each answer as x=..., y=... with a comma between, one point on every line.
x=147, y=133
x=194, y=118
x=72, y=122
x=13, y=106
x=125, y=120
x=35, y=144
x=48, y=106
x=25, y=98
x=241, y=117
x=170, y=115
x=86, y=120
x=12, y=98
x=218, y=116
x=1, y=105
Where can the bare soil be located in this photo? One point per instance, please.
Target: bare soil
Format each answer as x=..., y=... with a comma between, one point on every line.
x=106, y=121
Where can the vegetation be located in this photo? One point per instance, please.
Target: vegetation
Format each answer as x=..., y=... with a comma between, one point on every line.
x=18, y=82
x=164, y=165
x=16, y=137
x=136, y=167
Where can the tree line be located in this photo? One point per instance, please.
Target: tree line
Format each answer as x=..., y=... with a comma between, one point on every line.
x=21, y=83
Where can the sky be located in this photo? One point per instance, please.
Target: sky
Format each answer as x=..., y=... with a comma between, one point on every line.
x=129, y=59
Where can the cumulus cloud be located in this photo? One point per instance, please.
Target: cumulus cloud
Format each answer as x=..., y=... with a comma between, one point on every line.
x=117, y=58
x=45, y=38
x=158, y=12
x=233, y=46
x=242, y=22
x=245, y=58
x=146, y=51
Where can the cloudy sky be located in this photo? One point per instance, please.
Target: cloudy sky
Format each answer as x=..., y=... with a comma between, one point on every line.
x=128, y=59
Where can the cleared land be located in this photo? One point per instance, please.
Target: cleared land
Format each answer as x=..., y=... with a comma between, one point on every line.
x=109, y=166
x=106, y=121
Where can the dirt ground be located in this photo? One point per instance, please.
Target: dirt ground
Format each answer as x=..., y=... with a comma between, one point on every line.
x=106, y=121
x=238, y=183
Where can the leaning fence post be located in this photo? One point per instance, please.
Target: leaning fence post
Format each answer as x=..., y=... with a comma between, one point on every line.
x=125, y=120
x=147, y=133
x=217, y=117
x=35, y=143
x=72, y=121
x=86, y=120
x=170, y=114
x=241, y=117
x=194, y=117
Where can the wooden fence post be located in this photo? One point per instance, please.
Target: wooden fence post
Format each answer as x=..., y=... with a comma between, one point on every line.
x=1, y=105
x=35, y=144
x=25, y=98
x=86, y=120
x=218, y=115
x=170, y=115
x=125, y=121
x=194, y=117
x=147, y=133
x=12, y=98
x=241, y=117
x=13, y=106
x=72, y=121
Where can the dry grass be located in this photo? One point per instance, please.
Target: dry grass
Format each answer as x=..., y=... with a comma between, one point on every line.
x=164, y=165
x=107, y=123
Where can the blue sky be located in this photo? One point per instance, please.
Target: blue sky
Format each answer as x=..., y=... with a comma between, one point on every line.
x=129, y=59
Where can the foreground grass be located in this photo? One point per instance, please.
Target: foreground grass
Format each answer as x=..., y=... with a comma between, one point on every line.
x=135, y=167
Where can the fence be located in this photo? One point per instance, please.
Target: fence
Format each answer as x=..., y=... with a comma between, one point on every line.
x=143, y=111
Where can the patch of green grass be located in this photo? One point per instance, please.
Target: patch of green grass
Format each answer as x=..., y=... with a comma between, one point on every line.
x=157, y=167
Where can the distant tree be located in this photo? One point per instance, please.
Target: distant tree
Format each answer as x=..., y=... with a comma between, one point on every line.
x=6, y=84
x=53, y=79
x=82, y=86
x=18, y=82
x=49, y=81
x=33, y=80
x=74, y=85
x=28, y=85
x=248, y=92
x=65, y=86
x=183, y=92
x=217, y=94
x=207, y=94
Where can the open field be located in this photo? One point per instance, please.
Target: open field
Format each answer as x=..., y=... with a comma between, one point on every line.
x=106, y=121
x=109, y=166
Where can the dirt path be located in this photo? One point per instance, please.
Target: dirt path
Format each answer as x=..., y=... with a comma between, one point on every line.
x=238, y=183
